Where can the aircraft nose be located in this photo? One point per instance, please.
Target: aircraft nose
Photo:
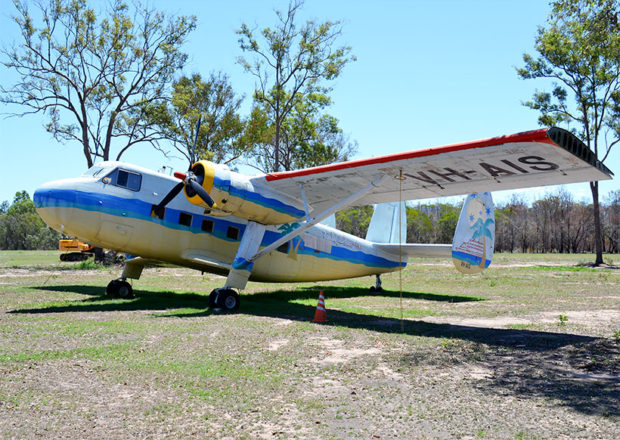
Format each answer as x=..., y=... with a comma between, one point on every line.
x=70, y=206
x=49, y=203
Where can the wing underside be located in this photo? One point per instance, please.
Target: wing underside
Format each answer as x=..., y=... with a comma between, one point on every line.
x=536, y=158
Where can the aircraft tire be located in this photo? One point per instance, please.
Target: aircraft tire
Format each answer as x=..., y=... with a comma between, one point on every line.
x=112, y=288
x=119, y=289
x=124, y=290
x=228, y=300
x=212, y=297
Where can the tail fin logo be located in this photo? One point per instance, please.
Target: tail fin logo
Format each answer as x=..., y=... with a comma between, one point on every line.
x=474, y=238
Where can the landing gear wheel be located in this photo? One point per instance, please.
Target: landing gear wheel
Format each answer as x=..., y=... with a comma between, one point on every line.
x=212, y=298
x=377, y=287
x=225, y=299
x=112, y=289
x=125, y=290
x=229, y=300
x=119, y=289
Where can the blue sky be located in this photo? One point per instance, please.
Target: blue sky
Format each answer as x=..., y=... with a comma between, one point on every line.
x=428, y=73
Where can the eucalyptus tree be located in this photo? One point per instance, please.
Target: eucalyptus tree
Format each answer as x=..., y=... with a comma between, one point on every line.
x=211, y=107
x=95, y=75
x=291, y=64
x=579, y=52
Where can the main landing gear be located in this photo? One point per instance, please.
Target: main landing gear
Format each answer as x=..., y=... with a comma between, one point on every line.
x=120, y=289
x=224, y=299
x=377, y=287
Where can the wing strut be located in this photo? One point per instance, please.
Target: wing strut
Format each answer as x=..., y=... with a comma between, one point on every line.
x=318, y=218
x=242, y=266
x=303, y=196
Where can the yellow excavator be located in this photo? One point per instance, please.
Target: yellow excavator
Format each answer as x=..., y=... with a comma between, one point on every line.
x=75, y=250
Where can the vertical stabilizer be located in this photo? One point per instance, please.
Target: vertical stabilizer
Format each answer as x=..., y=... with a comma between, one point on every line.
x=384, y=224
x=474, y=238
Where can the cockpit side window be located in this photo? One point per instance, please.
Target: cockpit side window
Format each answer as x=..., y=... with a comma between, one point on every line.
x=125, y=179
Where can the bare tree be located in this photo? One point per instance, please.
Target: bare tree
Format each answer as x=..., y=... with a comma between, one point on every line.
x=98, y=78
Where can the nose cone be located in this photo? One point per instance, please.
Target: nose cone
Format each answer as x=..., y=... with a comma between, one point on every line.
x=46, y=202
x=43, y=195
x=53, y=200
x=70, y=206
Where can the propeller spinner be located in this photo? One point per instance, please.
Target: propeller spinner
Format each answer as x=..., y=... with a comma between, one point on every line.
x=192, y=182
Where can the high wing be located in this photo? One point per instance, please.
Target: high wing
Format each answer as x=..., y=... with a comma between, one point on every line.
x=529, y=159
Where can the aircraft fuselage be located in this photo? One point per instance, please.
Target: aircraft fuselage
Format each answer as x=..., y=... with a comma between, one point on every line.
x=111, y=206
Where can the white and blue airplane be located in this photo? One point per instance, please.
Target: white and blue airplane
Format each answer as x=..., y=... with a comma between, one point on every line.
x=279, y=227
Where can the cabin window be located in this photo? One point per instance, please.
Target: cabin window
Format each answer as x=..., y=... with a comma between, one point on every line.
x=283, y=248
x=207, y=225
x=232, y=233
x=160, y=214
x=185, y=219
x=124, y=179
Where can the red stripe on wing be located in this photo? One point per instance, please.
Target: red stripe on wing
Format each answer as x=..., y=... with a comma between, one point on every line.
x=527, y=136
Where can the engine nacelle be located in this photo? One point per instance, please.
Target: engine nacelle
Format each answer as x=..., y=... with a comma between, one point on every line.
x=235, y=194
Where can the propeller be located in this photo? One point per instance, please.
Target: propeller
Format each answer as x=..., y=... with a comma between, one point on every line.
x=192, y=181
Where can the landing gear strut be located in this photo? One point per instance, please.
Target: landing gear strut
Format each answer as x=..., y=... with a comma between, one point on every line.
x=225, y=299
x=377, y=287
x=120, y=289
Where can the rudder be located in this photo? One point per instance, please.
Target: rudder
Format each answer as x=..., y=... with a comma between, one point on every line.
x=474, y=238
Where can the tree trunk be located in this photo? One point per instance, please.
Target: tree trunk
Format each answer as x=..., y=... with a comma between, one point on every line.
x=276, y=166
x=597, y=224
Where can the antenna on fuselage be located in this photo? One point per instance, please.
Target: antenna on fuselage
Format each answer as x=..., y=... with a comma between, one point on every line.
x=164, y=168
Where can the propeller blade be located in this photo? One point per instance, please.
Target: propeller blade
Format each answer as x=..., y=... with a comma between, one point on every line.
x=171, y=195
x=202, y=193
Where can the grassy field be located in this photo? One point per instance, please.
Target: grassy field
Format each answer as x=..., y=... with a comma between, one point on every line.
x=528, y=350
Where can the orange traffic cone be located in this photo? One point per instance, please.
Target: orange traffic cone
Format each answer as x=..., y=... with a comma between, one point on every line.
x=319, y=314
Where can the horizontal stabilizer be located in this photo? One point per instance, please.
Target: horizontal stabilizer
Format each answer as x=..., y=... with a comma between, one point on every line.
x=416, y=249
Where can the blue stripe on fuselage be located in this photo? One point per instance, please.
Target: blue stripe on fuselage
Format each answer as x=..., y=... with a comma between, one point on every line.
x=141, y=210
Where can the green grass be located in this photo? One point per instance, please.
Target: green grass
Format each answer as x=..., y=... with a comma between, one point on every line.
x=88, y=265
x=563, y=268
x=70, y=356
x=96, y=352
x=29, y=258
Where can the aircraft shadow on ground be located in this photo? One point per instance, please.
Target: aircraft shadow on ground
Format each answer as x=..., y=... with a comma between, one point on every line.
x=281, y=304
x=521, y=362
